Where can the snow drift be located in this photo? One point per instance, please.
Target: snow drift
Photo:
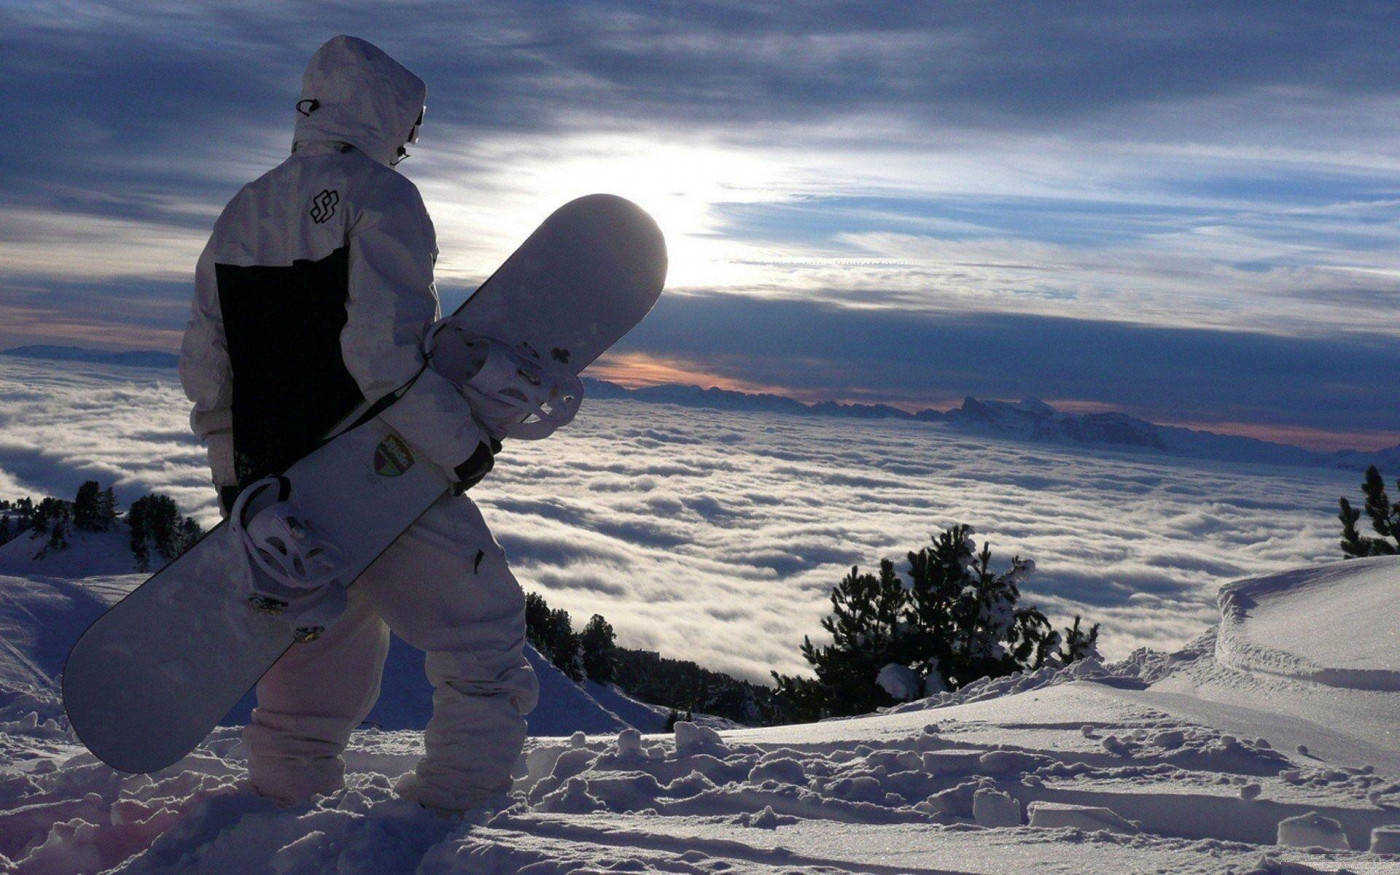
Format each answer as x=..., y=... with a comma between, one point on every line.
x=1312, y=625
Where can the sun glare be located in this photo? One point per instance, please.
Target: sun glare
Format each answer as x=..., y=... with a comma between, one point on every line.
x=683, y=185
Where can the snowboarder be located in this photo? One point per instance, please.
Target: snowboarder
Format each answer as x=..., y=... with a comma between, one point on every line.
x=312, y=297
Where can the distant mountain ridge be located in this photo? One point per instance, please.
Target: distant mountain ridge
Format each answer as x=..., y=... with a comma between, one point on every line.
x=138, y=358
x=1030, y=419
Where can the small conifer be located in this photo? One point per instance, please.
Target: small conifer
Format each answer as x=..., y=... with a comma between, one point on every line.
x=1385, y=520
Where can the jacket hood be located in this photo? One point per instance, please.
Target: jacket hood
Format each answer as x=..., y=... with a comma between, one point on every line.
x=352, y=92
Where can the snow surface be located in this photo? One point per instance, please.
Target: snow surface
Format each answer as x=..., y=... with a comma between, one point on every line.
x=1212, y=758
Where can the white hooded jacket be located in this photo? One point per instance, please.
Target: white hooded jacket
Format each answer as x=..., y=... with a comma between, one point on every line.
x=315, y=289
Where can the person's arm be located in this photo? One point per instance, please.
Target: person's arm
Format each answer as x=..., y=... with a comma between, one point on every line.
x=206, y=376
x=391, y=303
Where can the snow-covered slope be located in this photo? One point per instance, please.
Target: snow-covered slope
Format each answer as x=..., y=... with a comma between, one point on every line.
x=47, y=599
x=1263, y=747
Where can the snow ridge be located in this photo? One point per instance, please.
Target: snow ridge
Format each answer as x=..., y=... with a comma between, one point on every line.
x=1292, y=625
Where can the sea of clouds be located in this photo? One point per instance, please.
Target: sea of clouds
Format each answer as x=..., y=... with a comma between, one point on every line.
x=717, y=536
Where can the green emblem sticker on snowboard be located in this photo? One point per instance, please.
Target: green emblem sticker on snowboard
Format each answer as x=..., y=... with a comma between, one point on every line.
x=392, y=457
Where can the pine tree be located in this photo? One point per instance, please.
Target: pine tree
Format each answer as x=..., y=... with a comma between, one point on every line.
x=186, y=533
x=25, y=509
x=94, y=509
x=566, y=654
x=674, y=717
x=107, y=510
x=552, y=634
x=1385, y=520
x=865, y=627
x=156, y=523
x=140, y=537
x=598, y=643
x=39, y=520
x=59, y=529
x=86, y=513
x=53, y=517
x=537, y=622
x=1077, y=644
x=965, y=614
x=957, y=621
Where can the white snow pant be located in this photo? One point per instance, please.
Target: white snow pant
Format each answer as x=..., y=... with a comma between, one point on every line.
x=445, y=588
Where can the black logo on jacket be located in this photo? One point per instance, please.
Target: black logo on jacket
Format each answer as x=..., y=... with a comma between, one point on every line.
x=323, y=205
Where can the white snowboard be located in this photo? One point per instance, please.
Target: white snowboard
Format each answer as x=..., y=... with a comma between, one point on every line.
x=151, y=677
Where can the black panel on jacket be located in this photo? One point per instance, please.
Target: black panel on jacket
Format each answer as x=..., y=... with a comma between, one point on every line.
x=290, y=385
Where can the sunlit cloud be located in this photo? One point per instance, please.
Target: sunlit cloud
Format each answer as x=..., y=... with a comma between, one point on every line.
x=68, y=246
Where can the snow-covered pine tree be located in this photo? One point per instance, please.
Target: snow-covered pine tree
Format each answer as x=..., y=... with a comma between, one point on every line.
x=955, y=622
x=964, y=615
x=1078, y=644
x=1385, y=520
x=867, y=634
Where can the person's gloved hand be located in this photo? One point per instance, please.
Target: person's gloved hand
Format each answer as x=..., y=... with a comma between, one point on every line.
x=470, y=472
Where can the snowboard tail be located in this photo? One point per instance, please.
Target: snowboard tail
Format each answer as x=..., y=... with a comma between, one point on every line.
x=150, y=678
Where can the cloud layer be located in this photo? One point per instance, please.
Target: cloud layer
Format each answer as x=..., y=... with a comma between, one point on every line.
x=1229, y=167
x=718, y=536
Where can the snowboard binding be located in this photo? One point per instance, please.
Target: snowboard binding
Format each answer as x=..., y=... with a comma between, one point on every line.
x=512, y=390
x=293, y=573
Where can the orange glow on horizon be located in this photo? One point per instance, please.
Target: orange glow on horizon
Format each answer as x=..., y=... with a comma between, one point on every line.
x=638, y=370
x=1316, y=439
x=24, y=326
x=635, y=370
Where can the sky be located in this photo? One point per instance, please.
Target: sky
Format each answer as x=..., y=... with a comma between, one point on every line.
x=718, y=536
x=1182, y=211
